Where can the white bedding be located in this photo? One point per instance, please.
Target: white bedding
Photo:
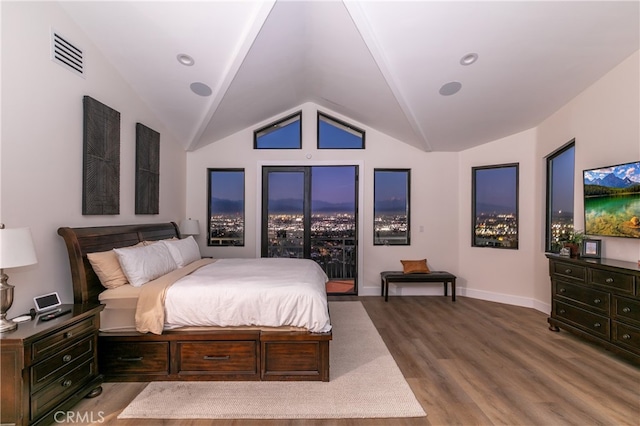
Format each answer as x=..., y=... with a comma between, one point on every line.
x=262, y=292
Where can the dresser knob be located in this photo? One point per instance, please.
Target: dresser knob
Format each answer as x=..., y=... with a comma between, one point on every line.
x=626, y=336
x=562, y=311
x=626, y=309
x=567, y=271
x=597, y=325
x=68, y=334
x=596, y=301
x=66, y=383
x=66, y=358
x=609, y=280
x=563, y=290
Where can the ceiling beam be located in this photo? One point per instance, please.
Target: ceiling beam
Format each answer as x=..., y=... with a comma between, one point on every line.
x=362, y=24
x=249, y=36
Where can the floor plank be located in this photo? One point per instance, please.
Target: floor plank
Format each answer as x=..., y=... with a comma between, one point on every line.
x=471, y=362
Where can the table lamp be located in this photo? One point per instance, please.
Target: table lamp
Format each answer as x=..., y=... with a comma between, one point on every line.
x=16, y=249
x=190, y=227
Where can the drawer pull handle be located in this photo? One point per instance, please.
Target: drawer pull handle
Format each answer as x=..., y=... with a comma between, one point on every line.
x=66, y=358
x=567, y=271
x=596, y=301
x=562, y=311
x=66, y=383
x=626, y=309
x=609, y=280
x=563, y=290
x=68, y=334
x=626, y=336
x=130, y=358
x=216, y=358
x=597, y=325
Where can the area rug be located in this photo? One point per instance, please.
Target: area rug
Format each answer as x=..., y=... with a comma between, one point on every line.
x=365, y=382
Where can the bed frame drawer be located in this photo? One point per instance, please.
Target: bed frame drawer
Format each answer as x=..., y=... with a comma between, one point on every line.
x=133, y=360
x=218, y=357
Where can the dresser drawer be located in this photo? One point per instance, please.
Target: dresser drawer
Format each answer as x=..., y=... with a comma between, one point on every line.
x=589, y=297
x=58, y=341
x=620, y=282
x=239, y=357
x=626, y=336
x=61, y=388
x=626, y=309
x=569, y=270
x=588, y=321
x=126, y=358
x=61, y=363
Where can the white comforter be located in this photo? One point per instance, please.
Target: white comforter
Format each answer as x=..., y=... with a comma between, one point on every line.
x=258, y=292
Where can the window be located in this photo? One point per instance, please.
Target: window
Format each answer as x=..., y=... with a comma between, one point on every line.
x=282, y=134
x=495, y=206
x=391, y=193
x=336, y=134
x=560, y=177
x=311, y=212
x=226, y=207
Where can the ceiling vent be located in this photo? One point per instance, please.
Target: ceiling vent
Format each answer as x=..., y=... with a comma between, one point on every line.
x=66, y=54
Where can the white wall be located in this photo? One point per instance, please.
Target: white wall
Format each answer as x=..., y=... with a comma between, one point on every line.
x=434, y=203
x=502, y=275
x=605, y=122
x=41, y=151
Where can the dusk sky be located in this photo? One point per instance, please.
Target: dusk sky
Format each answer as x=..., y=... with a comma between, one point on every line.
x=496, y=187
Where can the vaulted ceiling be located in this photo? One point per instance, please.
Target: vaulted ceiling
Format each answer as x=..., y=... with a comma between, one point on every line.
x=380, y=63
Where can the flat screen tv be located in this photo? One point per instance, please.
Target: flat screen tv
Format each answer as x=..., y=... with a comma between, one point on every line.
x=612, y=201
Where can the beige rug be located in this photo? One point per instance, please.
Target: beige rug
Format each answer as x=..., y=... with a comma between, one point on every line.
x=365, y=383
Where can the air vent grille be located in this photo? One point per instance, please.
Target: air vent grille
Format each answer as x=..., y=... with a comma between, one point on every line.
x=66, y=54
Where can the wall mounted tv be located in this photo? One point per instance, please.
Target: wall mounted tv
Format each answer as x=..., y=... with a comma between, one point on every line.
x=612, y=201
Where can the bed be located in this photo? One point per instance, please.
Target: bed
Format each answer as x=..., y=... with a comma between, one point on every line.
x=250, y=352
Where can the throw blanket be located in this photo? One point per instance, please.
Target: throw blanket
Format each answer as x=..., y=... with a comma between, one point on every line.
x=270, y=292
x=150, y=308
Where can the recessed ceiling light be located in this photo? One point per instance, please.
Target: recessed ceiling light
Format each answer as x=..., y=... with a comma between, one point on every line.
x=201, y=89
x=185, y=59
x=469, y=59
x=450, y=88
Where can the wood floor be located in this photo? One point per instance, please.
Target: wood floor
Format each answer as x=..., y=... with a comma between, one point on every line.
x=471, y=362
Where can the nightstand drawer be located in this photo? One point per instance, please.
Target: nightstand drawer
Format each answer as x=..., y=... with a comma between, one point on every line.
x=61, y=388
x=594, y=323
x=58, y=341
x=225, y=357
x=588, y=297
x=122, y=358
x=61, y=363
x=569, y=270
x=621, y=282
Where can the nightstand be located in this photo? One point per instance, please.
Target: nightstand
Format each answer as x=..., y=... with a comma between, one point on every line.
x=48, y=366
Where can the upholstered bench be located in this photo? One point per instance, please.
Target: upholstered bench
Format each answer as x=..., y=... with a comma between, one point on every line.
x=444, y=277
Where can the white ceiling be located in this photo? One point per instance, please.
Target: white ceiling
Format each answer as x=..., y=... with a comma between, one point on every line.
x=380, y=63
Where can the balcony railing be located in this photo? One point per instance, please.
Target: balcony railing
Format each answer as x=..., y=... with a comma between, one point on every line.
x=335, y=255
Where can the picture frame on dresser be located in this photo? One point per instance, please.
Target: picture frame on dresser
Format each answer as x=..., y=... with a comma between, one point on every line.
x=591, y=248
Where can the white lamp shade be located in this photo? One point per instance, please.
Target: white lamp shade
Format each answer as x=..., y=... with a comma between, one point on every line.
x=190, y=227
x=16, y=248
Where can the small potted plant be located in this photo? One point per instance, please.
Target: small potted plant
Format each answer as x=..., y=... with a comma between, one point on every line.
x=573, y=241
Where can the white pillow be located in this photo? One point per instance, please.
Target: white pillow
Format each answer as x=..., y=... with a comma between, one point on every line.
x=146, y=263
x=183, y=251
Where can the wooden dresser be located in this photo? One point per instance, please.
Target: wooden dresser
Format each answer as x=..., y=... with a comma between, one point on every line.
x=597, y=299
x=48, y=366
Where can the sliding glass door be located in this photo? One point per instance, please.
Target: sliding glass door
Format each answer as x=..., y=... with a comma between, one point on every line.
x=311, y=212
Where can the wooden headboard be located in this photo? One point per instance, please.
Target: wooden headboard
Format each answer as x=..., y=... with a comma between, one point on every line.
x=80, y=241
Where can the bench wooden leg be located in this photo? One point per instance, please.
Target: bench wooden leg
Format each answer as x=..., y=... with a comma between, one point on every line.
x=453, y=290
